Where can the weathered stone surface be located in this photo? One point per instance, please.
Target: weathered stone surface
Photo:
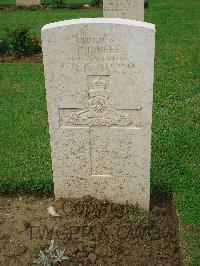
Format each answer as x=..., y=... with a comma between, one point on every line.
x=28, y=2
x=99, y=85
x=128, y=9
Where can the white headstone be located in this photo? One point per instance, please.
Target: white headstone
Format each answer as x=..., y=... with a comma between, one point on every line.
x=127, y=9
x=28, y=2
x=99, y=86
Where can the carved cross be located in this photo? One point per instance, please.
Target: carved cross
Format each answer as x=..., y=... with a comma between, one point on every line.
x=99, y=117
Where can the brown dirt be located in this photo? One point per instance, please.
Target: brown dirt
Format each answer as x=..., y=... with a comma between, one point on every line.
x=92, y=232
x=36, y=58
x=12, y=8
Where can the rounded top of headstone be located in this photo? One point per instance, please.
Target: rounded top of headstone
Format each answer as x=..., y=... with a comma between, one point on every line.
x=116, y=21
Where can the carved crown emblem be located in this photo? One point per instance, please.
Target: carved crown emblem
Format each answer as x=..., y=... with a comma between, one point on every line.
x=98, y=84
x=98, y=88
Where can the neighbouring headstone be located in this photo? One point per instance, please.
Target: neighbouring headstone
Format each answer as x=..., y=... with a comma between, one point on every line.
x=127, y=9
x=99, y=86
x=28, y=2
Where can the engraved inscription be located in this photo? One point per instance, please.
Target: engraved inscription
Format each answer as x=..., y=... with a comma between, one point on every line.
x=129, y=9
x=97, y=52
x=118, y=5
x=96, y=45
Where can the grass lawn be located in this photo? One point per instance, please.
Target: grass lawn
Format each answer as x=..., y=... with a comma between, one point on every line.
x=37, y=19
x=25, y=163
x=45, y=2
x=7, y=2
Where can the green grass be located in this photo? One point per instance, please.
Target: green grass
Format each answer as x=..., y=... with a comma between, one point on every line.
x=175, y=154
x=7, y=2
x=45, y=2
x=37, y=19
x=25, y=163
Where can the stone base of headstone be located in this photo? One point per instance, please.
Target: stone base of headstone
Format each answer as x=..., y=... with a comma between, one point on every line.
x=28, y=2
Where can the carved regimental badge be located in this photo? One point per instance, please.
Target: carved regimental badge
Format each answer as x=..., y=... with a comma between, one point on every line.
x=101, y=111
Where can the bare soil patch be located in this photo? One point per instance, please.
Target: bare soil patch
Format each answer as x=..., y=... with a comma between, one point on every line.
x=92, y=232
x=12, y=8
x=36, y=58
